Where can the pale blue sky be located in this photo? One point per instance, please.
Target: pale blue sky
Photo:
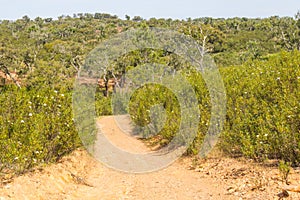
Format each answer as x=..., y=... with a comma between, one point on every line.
x=13, y=9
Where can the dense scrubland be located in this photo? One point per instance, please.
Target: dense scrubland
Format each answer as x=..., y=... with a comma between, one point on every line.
x=259, y=61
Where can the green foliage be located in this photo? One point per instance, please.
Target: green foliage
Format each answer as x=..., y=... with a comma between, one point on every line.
x=263, y=108
x=102, y=104
x=262, y=119
x=140, y=107
x=262, y=86
x=284, y=169
x=161, y=125
x=36, y=126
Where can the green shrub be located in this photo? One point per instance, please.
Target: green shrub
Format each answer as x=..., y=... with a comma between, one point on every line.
x=36, y=126
x=284, y=170
x=263, y=115
x=263, y=108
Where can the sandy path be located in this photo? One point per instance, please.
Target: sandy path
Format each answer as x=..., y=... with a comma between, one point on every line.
x=80, y=176
x=56, y=182
x=118, y=130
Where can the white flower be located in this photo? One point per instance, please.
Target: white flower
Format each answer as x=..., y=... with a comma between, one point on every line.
x=266, y=135
x=45, y=104
x=30, y=114
x=22, y=121
x=59, y=106
x=55, y=91
x=16, y=158
x=30, y=102
x=30, y=107
x=52, y=97
x=278, y=78
x=62, y=95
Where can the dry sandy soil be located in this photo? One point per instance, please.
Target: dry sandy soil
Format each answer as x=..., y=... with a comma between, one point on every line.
x=80, y=176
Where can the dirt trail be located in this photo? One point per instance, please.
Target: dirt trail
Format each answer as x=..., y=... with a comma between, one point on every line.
x=117, y=131
x=80, y=176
